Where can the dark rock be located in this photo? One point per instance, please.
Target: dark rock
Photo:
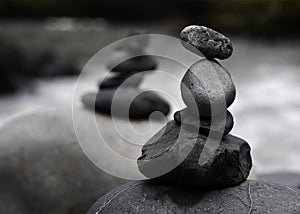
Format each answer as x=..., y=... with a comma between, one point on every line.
x=249, y=197
x=204, y=123
x=43, y=168
x=130, y=79
x=210, y=43
x=141, y=104
x=11, y=63
x=207, y=84
x=135, y=64
x=228, y=165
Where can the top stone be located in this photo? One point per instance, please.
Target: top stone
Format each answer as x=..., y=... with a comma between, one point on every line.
x=210, y=43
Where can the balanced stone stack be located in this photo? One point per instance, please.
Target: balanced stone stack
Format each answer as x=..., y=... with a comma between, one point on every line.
x=180, y=179
x=128, y=66
x=206, y=84
x=121, y=70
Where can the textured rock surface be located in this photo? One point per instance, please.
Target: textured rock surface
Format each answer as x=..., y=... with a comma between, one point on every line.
x=229, y=165
x=207, y=83
x=210, y=43
x=204, y=123
x=249, y=197
x=44, y=170
x=142, y=105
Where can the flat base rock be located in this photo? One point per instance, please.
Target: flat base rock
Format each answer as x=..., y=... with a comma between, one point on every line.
x=204, y=123
x=228, y=165
x=249, y=197
x=142, y=103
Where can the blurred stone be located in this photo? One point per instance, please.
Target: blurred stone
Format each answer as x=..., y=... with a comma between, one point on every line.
x=136, y=41
x=228, y=165
x=131, y=79
x=206, y=84
x=122, y=61
x=141, y=104
x=249, y=197
x=210, y=43
x=204, y=123
x=43, y=168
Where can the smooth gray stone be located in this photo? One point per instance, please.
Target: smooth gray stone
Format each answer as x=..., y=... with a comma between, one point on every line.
x=204, y=123
x=210, y=43
x=142, y=103
x=207, y=84
x=228, y=165
x=249, y=197
x=43, y=168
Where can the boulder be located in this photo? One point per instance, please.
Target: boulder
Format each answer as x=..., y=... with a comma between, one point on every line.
x=43, y=168
x=173, y=156
x=248, y=197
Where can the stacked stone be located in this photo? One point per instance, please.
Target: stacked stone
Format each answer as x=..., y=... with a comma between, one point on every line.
x=128, y=66
x=230, y=163
x=195, y=186
x=119, y=72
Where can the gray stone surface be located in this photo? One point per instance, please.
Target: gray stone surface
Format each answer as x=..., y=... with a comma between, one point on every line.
x=44, y=170
x=206, y=84
x=249, y=197
x=228, y=165
x=131, y=79
x=210, y=43
x=122, y=61
x=204, y=123
x=142, y=104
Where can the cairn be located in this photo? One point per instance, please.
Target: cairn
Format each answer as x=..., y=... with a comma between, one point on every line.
x=205, y=84
x=126, y=74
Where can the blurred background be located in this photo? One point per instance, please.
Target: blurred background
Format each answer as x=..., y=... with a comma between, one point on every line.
x=44, y=44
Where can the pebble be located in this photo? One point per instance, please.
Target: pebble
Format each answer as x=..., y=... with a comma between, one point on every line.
x=210, y=43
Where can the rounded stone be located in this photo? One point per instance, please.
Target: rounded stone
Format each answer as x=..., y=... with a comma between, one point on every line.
x=205, y=123
x=131, y=79
x=228, y=165
x=141, y=103
x=249, y=197
x=210, y=43
x=208, y=87
x=122, y=61
x=43, y=168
